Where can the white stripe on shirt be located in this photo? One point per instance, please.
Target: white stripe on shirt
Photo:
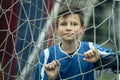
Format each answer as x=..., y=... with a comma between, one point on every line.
x=46, y=55
x=100, y=52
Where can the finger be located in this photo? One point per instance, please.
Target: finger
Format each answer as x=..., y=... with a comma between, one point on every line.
x=86, y=59
x=94, y=50
x=47, y=66
x=96, y=53
x=54, y=63
x=89, y=54
x=86, y=54
x=51, y=65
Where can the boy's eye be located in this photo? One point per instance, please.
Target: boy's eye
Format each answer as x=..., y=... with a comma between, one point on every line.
x=74, y=24
x=63, y=24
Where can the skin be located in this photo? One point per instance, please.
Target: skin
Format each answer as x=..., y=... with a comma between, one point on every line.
x=70, y=29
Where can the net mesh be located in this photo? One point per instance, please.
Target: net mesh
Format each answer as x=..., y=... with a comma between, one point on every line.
x=27, y=27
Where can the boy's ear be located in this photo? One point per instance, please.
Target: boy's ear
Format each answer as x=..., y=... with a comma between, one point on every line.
x=83, y=28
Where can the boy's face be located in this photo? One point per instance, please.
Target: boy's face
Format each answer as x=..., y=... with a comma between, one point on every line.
x=69, y=27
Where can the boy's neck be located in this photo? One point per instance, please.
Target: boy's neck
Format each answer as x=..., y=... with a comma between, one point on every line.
x=69, y=47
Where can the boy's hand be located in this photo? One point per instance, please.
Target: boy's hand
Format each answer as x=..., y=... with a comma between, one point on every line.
x=92, y=55
x=52, y=69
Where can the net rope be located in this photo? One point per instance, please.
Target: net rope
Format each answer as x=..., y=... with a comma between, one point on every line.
x=35, y=31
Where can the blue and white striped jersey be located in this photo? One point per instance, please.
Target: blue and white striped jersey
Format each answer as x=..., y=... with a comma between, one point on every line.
x=72, y=67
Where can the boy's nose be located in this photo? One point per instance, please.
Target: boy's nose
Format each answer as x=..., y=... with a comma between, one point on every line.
x=68, y=28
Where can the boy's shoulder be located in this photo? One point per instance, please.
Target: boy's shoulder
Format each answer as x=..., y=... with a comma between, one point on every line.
x=51, y=48
x=83, y=43
x=90, y=44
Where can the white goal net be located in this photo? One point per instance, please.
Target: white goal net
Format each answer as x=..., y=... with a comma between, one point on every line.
x=28, y=26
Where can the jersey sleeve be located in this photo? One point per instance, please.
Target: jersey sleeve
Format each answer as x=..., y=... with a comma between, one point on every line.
x=108, y=58
x=40, y=70
x=101, y=49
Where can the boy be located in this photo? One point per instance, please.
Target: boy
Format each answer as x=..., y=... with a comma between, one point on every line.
x=70, y=59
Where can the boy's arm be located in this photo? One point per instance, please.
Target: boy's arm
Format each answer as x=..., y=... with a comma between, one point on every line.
x=108, y=58
x=108, y=61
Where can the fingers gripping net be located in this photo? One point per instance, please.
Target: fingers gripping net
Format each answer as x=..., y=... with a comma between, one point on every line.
x=27, y=27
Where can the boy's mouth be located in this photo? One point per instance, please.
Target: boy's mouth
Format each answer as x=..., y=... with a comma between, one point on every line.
x=68, y=34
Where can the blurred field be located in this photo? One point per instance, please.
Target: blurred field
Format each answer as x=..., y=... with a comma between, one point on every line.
x=109, y=76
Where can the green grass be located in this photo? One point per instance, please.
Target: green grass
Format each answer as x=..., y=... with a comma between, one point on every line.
x=108, y=76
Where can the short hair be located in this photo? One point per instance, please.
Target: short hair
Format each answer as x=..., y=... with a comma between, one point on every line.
x=66, y=10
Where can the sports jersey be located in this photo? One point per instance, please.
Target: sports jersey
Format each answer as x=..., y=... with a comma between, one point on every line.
x=72, y=67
